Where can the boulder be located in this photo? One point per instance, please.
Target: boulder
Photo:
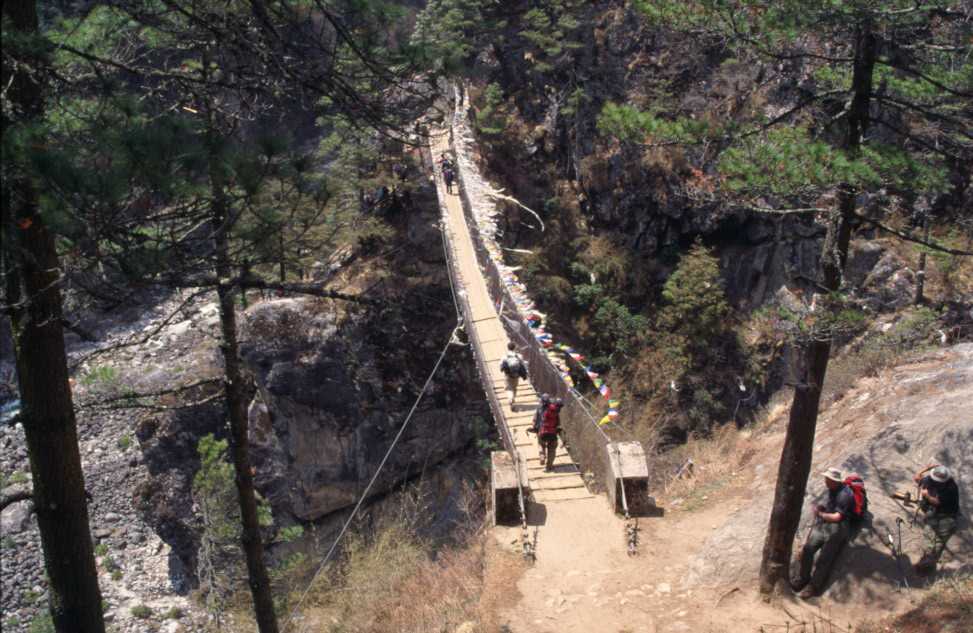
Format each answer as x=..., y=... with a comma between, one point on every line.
x=16, y=517
x=863, y=255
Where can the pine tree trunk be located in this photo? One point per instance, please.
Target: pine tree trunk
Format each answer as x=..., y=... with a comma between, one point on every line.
x=32, y=273
x=796, y=457
x=260, y=589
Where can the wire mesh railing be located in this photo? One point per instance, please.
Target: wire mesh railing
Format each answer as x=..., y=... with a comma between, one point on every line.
x=586, y=441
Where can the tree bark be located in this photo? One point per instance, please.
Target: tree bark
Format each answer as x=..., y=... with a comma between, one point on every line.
x=260, y=589
x=796, y=457
x=32, y=272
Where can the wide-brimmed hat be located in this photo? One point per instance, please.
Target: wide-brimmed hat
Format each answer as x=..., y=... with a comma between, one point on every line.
x=833, y=474
x=940, y=474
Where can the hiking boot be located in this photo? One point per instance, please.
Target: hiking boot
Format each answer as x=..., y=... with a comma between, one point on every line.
x=797, y=585
x=807, y=592
x=924, y=568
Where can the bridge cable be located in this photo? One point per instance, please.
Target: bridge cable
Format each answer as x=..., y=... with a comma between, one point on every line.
x=453, y=339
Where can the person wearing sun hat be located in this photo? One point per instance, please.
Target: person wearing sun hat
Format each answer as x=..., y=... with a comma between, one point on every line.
x=829, y=535
x=939, y=502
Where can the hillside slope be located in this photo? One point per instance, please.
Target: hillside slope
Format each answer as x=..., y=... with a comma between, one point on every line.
x=698, y=564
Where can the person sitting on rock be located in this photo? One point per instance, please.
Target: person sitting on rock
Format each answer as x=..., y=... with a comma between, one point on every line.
x=939, y=503
x=829, y=535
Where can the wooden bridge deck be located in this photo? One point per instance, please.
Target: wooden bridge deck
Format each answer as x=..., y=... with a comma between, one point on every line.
x=489, y=339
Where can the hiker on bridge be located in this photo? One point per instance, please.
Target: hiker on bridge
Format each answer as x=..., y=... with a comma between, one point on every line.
x=448, y=169
x=538, y=421
x=514, y=367
x=448, y=176
x=547, y=435
x=939, y=503
x=829, y=534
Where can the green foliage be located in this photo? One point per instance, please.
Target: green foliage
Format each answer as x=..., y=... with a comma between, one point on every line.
x=786, y=161
x=174, y=613
x=695, y=302
x=213, y=490
x=142, y=612
x=101, y=376
x=101, y=549
x=124, y=442
x=31, y=596
x=17, y=477
x=116, y=575
x=627, y=123
x=42, y=623
x=448, y=32
x=109, y=563
x=919, y=99
x=289, y=534
x=489, y=121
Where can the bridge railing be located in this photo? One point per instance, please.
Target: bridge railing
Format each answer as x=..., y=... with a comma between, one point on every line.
x=585, y=439
x=463, y=306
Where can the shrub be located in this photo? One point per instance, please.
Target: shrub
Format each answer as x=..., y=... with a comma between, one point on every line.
x=124, y=442
x=174, y=613
x=142, y=612
x=42, y=624
x=101, y=375
x=695, y=303
x=489, y=121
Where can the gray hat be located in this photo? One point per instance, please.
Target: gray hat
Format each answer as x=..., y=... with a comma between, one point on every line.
x=833, y=474
x=940, y=474
x=545, y=397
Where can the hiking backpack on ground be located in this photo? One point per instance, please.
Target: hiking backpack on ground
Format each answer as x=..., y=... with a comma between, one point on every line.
x=857, y=486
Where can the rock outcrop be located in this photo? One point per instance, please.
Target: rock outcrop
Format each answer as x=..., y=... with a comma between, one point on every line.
x=885, y=429
x=331, y=399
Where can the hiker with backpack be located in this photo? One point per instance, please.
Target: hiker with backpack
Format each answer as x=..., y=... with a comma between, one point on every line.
x=448, y=176
x=535, y=427
x=514, y=367
x=939, y=504
x=829, y=533
x=547, y=425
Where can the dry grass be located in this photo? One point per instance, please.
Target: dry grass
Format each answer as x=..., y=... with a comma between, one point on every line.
x=716, y=460
x=392, y=585
x=946, y=608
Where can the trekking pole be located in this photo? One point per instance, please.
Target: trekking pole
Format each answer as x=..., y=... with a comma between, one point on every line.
x=897, y=553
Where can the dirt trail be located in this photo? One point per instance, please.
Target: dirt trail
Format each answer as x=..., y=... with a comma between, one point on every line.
x=694, y=568
x=583, y=579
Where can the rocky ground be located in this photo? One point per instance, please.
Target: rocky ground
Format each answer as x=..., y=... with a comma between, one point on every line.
x=134, y=562
x=337, y=384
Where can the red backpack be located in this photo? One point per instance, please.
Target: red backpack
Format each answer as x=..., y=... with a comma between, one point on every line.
x=855, y=482
x=551, y=421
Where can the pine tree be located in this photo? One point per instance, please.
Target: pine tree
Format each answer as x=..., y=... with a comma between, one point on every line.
x=897, y=67
x=174, y=189
x=32, y=298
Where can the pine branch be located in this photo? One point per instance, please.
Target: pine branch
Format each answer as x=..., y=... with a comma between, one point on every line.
x=909, y=238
